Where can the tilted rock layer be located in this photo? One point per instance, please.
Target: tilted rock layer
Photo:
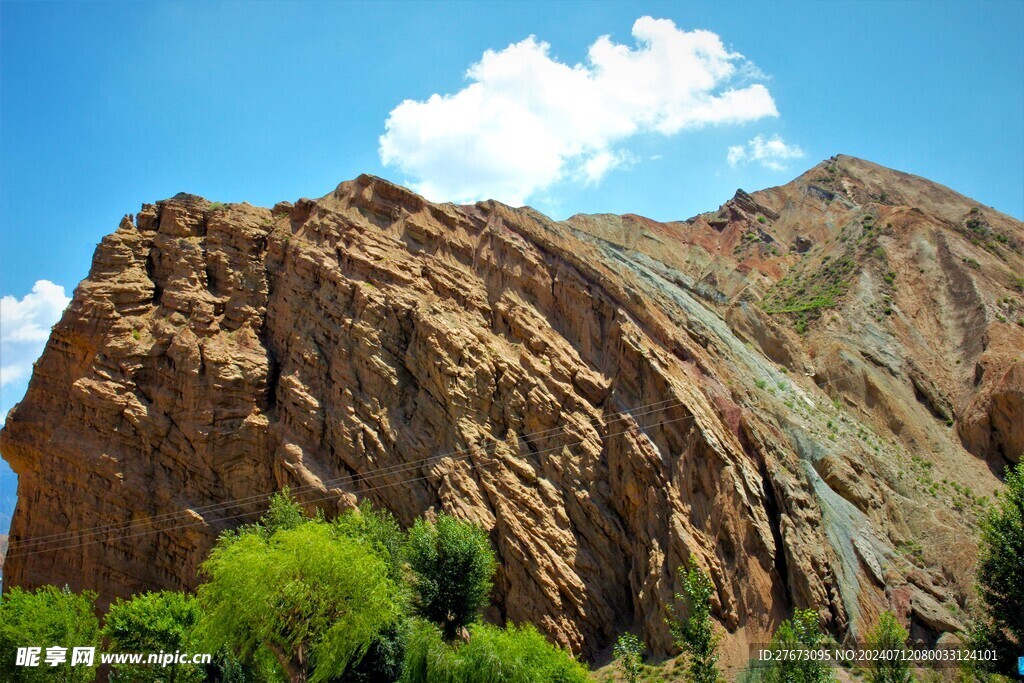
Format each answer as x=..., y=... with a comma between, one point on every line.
x=808, y=393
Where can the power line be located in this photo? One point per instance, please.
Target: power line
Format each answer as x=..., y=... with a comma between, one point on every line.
x=391, y=469
x=487, y=461
x=55, y=541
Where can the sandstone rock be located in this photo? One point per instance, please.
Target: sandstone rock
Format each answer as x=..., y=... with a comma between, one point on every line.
x=603, y=395
x=931, y=614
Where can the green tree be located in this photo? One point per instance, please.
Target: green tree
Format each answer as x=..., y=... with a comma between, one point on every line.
x=515, y=654
x=314, y=596
x=890, y=637
x=384, y=659
x=155, y=622
x=802, y=632
x=453, y=564
x=47, y=617
x=283, y=513
x=629, y=653
x=982, y=635
x=695, y=634
x=1001, y=572
x=379, y=528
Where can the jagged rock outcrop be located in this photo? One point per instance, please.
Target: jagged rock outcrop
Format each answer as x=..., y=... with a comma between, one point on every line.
x=763, y=390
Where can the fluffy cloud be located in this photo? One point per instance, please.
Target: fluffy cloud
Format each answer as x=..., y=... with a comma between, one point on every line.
x=771, y=153
x=526, y=120
x=24, y=328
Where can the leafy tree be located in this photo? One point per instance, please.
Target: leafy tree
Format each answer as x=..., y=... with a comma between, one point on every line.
x=155, y=622
x=314, y=596
x=888, y=636
x=982, y=635
x=802, y=632
x=695, y=634
x=453, y=564
x=629, y=653
x=1001, y=572
x=384, y=659
x=516, y=654
x=379, y=528
x=227, y=668
x=47, y=617
x=284, y=513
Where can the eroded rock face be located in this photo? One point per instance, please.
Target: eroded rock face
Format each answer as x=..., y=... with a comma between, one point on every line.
x=608, y=396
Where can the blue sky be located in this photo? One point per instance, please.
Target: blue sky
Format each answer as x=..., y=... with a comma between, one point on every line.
x=108, y=105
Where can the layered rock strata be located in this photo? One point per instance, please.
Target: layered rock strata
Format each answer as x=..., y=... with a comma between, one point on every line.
x=808, y=393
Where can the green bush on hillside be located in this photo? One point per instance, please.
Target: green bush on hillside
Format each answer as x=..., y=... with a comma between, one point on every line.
x=888, y=636
x=802, y=632
x=47, y=617
x=313, y=596
x=300, y=598
x=694, y=634
x=453, y=564
x=628, y=653
x=516, y=654
x=1001, y=575
x=155, y=622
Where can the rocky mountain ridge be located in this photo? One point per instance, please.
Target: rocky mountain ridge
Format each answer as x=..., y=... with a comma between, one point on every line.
x=809, y=392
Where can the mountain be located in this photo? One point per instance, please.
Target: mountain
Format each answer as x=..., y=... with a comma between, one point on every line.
x=809, y=392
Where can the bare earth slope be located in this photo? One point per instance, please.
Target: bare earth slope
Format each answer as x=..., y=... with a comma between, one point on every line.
x=809, y=393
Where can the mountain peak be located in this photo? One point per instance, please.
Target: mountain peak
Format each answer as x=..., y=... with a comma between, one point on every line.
x=610, y=396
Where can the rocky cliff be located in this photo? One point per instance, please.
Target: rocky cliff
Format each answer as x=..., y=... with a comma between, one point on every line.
x=809, y=392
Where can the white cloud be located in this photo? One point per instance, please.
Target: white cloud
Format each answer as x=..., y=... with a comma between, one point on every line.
x=24, y=328
x=770, y=153
x=526, y=120
x=9, y=374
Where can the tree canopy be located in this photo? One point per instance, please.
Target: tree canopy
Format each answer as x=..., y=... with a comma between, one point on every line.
x=453, y=564
x=155, y=622
x=300, y=598
x=888, y=636
x=694, y=633
x=1000, y=576
x=313, y=595
x=47, y=617
x=516, y=654
x=802, y=632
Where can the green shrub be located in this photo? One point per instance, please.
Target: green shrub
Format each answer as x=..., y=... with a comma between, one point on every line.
x=628, y=652
x=889, y=636
x=799, y=633
x=155, y=622
x=694, y=634
x=314, y=597
x=999, y=572
x=284, y=513
x=379, y=529
x=515, y=654
x=47, y=617
x=453, y=564
x=384, y=659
